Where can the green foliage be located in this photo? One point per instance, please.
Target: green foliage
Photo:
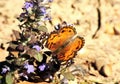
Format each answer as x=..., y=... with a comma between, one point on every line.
x=43, y=28
x=39, y=57
x=9, y=78
x=68, y=75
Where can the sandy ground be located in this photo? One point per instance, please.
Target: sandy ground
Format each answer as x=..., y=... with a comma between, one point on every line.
x=102, y=50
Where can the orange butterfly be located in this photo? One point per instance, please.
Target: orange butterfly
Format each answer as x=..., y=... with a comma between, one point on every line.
x=64, y=43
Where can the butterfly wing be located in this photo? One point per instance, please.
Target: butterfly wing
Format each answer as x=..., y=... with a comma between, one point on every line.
x=57, y=39
x=71, y=49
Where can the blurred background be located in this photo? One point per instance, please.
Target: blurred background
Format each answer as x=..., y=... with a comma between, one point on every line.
x=98, y=21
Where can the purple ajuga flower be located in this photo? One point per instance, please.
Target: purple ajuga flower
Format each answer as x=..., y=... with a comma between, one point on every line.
x=5, y=70
x=42, y=10
x=50, y=0
x=28, y=5
x=37, y=47
x=22, y=16
x=42, y=67
x=47, y=18
x=46, y=1
x=30, y=68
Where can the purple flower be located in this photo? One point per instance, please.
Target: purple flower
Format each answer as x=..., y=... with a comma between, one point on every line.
x=5, y=69
x=42, y=10
x=30, y=68
x=22, y=16
x=50, y=0
x=47, y=18
x=42, y=67
x=37, y=47
x=46, y=1
x=28, y=5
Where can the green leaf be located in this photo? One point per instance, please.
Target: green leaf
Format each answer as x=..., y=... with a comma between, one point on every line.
x=68, y=75
x=1, y=77
x=19, y=61
x=9, y=78
x=43, y=28
x=31, y=52
x=39, y=57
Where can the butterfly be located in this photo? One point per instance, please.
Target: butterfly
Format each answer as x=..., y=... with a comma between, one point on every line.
x=64, y=43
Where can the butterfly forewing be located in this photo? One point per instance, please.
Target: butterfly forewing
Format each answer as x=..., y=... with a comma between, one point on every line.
x=57, y=39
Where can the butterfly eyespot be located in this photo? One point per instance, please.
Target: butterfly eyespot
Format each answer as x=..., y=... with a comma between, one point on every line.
x=69, y=30
x=62, y=31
